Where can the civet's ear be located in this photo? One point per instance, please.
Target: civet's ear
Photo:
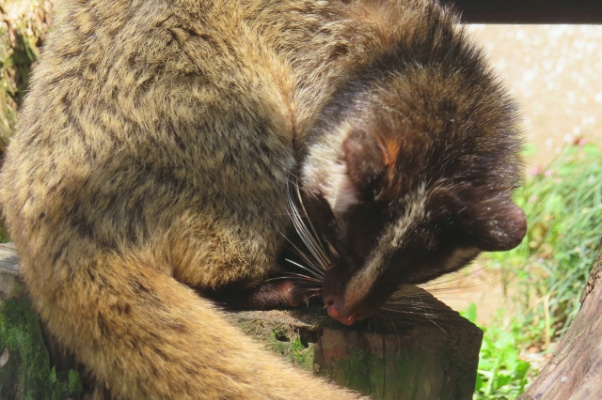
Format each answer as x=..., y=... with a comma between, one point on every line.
x=497, y=224
x=370, y=160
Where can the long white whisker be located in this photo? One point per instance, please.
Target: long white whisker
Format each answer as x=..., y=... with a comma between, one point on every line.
x=299, y=226
x=308, y=236
x=437, y=325
x=456, y=277
x=308, y=290
x=307, y=260
x=300, y=278
x=309, y=270
x=314, y=236
x=293, y=275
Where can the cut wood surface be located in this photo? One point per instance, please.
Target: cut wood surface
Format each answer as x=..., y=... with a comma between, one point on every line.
x=575, y=370
x=425, y=351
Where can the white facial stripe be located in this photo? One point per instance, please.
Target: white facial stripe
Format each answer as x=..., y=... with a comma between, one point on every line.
x=459, y=257
x=360, y=284
x=414, y=212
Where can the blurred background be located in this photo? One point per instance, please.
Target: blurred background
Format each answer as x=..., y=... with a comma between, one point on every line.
x=555, y=73
x=526, y=298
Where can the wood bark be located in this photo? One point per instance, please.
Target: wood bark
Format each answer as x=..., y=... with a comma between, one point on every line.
x=575, y=370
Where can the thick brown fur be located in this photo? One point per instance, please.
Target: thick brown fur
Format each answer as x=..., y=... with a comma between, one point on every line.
x=152, y=157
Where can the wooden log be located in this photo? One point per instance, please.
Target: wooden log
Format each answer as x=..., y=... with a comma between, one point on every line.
x=423, y=351
x=26, y=364
x=575, y=369
x=427, y=351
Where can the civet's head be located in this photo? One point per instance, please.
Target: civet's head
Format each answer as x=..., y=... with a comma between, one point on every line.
x=409, y=174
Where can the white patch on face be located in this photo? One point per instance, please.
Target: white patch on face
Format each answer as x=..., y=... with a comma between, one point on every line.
x=324, y=172
x=343, y=195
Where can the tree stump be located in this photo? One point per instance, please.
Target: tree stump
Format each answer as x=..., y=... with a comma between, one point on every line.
x=576, y=368
x=425, y=351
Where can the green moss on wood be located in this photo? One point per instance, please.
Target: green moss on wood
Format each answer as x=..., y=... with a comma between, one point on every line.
x=290, y=344
x=27, y=374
